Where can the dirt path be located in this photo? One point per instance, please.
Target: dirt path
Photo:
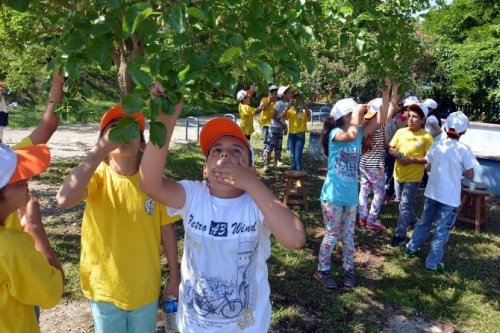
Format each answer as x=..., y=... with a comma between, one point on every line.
x=73, y=141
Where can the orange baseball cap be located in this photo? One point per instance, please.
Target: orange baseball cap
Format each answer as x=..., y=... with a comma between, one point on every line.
x=116, y=112
x=219, y=127
x=22, y=163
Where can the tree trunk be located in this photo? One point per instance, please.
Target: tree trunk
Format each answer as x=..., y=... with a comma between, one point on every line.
x=125, y=51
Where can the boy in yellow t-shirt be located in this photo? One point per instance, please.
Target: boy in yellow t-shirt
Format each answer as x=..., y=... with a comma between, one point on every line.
x=27, y=279
x=267, y=112
x=409, y=147
x=122, y=230
x=297, y=115
x=247, y=112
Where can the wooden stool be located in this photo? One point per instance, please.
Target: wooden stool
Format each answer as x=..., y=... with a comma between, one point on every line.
x=473, y=208
x=299, y=199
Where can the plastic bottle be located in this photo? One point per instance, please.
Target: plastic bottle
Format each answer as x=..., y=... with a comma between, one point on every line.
x=170, y=314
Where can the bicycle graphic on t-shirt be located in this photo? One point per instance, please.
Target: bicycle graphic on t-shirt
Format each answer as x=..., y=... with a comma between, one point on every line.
x=213, y=296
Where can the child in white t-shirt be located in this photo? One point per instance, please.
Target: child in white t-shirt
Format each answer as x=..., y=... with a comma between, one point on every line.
x=228, y=220
x=447, y=160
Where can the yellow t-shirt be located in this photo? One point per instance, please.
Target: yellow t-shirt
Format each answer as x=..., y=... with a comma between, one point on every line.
x=246, y=116
x=297, y=121
x=26, y=280
x=411, y=144
x=267, y=113
x=121, y=237
x=12, y=221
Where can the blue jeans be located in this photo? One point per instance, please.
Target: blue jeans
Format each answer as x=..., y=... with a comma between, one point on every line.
x=109, y=318
x=406, y=192
x=389, y=174
x=265, y=135
x=297, y=142
x=444, y=216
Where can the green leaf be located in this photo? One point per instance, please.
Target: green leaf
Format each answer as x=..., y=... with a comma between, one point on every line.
x=366, y=16
x=157, y=133
x=256, y=47
x=74, y=42
x=183, y=73
x=155, y=105
x=100, y=29
x=197, y=13
x=360, y=43
x=72, y=67
x=346, y=10
x=230, y=54
x=135, y=15
x=167, y=106
x=19, y=5
x=126, y=130
x=175, y=18
x=141, y=78
x=133, y=103
x=266, y=70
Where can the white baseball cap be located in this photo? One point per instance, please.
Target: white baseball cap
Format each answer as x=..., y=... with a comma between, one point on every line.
x=272, y=87
x=411, y=100
x=241, y=95
x=343, y=107
x=282, y=90
x=457, y=122
x=374, y=107
x=430, y=103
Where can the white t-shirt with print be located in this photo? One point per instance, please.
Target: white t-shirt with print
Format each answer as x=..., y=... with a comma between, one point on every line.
x=449, y=159
x=224, y=275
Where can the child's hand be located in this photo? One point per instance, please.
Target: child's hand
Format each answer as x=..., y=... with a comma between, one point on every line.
x=157, y=90
x=56, y=88
x=172, y=288
x=106, y=145
x=238, y=176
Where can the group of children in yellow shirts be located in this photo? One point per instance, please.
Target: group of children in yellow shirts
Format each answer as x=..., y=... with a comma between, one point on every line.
x=280, y=105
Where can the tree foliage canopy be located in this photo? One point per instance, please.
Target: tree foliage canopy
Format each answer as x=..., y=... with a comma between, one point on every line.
x=465, y=43
x=193, y=47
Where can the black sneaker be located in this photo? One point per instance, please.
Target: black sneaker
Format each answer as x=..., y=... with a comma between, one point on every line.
x=396, y=242
x=349, y=278
x=326, y=279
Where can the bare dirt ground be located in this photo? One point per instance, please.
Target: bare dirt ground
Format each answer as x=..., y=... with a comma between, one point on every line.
x=74, y=141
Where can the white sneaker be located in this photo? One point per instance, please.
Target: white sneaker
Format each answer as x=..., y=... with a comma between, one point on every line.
x=279, y=164
x=266, y=168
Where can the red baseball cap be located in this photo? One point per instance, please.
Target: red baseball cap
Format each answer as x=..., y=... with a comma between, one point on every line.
x=219, y=127
x=116, y=112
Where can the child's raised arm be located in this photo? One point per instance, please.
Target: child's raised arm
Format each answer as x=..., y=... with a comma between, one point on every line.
x=382, y=115
x=161, y=189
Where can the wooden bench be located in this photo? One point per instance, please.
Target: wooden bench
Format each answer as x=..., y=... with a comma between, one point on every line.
x=295, y=177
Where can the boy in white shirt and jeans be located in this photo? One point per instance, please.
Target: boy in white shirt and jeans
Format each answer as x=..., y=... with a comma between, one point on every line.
x=228, y=220
x=447, y=161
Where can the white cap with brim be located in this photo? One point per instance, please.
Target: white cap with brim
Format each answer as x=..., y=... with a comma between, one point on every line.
x=272, y=87
x=282, y=90
x=241, y=95
x=374, y=107
x=8, y=162
x=430, y=103
x=343, y=107
x=411, y=100
x=457, y=121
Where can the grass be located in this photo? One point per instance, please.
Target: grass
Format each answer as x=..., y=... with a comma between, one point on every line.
x=465, y=296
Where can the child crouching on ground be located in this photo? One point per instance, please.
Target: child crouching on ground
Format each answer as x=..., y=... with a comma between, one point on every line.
x=447, y=160
x=27, y=279
x=228, y=220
